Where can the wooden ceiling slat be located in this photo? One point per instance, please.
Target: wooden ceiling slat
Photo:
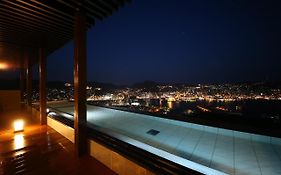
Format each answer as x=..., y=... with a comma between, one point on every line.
x=26, y=28
x=30, y=23
x=4, y=29
x=104, y=5
x=67, y=9
x=54, y=14
x=36, y=31
x=100, y=6
x=95, y=14
x=41, y=26
x=18, y=40
x=108, y=4
x=66, y=4
x=36, y=41
x=75, y=4
x=121, y=2
x=8, y=43
x=60, y=28
x=93, y=9
x=51, y=8
x=34, y=14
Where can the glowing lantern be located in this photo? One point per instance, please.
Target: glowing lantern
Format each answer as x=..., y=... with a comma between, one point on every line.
x=18, y=141
x=18, y=125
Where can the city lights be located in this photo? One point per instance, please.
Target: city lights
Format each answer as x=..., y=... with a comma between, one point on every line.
x=171, y=99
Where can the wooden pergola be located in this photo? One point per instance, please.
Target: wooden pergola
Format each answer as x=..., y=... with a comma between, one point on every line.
x=30, y=30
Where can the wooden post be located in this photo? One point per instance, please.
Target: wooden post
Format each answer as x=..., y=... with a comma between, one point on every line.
x=22, y=80
x=80, y=78
x=28, y=81
x=42, y=86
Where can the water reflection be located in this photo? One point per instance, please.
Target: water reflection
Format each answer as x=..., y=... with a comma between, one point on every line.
x=18, y=141
x=170, y=104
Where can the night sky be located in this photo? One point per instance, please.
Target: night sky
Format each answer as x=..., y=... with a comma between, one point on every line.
x=181, y=41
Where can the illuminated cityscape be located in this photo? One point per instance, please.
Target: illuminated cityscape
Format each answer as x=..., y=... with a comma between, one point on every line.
x=181, y=99
x=188, y=93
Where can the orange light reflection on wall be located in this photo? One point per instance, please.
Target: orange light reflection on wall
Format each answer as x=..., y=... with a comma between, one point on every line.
x=3, y=66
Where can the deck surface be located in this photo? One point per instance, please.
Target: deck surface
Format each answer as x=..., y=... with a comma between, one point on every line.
x=40, y=150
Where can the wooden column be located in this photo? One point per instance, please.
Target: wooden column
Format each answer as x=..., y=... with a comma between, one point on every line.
x=28, y=81
x=80, y=78
x=42, y=86
x=22, y=80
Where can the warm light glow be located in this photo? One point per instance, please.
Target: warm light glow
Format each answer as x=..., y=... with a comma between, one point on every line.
x=3, y=66
x=171, y=99
x=170, y=104
x=203, y=109
x=18, y=125
x=18, y=141
x=135, y=104
x=52, y=114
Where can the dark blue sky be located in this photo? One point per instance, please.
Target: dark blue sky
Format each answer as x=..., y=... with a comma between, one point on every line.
x=181, y=41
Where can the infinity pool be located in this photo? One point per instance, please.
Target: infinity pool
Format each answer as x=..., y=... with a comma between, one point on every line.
x=228, y=151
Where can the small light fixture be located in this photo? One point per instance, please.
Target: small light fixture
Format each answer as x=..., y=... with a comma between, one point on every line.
x=18, y=141
x=18, y=125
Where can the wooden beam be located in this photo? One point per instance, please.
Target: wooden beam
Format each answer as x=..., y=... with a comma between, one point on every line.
x=80, y=78
x=42, y=86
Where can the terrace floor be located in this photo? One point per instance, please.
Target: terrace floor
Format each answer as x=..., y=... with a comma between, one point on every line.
x=40, y=150
x=228, y=151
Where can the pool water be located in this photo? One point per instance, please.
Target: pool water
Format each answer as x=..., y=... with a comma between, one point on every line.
x=228, y=151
